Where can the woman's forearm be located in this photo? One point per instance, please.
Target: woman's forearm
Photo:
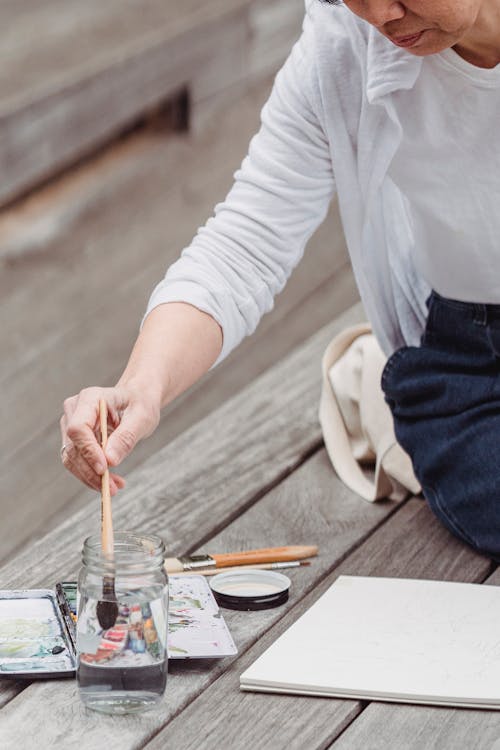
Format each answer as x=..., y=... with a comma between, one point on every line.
x=177, y=344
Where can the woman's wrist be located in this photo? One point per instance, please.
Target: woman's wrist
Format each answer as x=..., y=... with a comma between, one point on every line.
x=146, y=388
x=176, y=346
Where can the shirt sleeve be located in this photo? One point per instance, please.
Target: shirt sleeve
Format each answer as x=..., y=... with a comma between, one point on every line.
x=244, y=254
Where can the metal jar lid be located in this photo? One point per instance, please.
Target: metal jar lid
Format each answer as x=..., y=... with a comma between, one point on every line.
x=250, y=589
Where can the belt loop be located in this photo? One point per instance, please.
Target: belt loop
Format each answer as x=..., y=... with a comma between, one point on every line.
x=480, y=315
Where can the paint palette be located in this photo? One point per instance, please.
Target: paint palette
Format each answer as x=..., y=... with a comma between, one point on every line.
x=38, y=629
x=34, y=638
x=196, y=628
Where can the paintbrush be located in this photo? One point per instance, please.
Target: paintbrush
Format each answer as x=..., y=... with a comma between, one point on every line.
x=107, y=607
x=243, y=568
x=231, y=559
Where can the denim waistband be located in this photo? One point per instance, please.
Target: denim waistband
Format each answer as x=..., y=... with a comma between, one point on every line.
x=480, y=313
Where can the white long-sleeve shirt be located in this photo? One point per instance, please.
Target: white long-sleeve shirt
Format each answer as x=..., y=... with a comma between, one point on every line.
x=330, y=124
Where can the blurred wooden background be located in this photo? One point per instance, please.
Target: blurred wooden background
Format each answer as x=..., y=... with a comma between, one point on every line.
x=121, y=124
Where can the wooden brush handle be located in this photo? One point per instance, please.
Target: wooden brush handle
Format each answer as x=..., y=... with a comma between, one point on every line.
x=107, y=539
x=276, y=554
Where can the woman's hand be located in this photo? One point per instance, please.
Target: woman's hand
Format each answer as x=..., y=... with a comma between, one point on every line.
x=176, y=346
x=131, y=417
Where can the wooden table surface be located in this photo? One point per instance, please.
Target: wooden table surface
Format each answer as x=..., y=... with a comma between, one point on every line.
x=253, y=474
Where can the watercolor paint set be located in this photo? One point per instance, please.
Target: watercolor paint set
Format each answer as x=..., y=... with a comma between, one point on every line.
x=38, y=628
x=37, y=637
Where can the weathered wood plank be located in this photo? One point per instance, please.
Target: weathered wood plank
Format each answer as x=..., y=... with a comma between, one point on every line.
x=312, y=506
x=386, y=727
x=411, y=543
x=84, y=36
x=121, y=59
x=272, y=25
x=94, y=220
x=264, y=43
x=80, y=112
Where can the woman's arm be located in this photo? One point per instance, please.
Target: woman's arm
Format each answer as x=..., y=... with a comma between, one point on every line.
x=227, y=278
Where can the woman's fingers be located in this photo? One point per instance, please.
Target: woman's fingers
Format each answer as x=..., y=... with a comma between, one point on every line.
x=82, y=422
x=84, y=472
x=82, y=454
x=79, y=467
x=73, y=459
x=129, y=420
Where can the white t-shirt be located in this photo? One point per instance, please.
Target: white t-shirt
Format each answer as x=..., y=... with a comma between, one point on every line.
x=448, y=168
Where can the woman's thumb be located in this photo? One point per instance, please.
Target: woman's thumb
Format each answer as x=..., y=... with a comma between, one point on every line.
x=122, y=440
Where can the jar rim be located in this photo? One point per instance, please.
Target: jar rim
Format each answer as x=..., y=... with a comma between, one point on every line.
x=132, y=551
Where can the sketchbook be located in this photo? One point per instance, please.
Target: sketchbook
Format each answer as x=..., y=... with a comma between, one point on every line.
x=390, y=639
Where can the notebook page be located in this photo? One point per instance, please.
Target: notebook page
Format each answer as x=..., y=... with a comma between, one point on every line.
x=393, y=638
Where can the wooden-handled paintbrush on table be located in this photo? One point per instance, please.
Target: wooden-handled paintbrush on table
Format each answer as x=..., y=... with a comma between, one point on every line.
x=254, y=557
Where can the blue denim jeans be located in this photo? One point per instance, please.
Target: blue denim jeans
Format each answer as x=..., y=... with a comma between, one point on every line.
x=445, y=399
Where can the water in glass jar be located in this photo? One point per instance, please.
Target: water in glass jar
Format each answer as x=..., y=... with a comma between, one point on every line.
x=124, y=668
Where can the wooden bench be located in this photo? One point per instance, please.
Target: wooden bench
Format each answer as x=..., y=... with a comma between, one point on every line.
x=253, y=473
x=74, y=75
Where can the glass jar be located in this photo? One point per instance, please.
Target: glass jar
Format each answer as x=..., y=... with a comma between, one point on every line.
x=122, y=624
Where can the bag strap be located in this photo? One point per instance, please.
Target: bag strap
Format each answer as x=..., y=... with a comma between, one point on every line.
x=393, y=476
x=332, y=423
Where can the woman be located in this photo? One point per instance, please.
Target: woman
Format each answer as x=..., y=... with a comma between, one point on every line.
x=395, y=106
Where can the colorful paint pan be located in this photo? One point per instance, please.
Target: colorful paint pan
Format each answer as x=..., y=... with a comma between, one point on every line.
x=34, y=640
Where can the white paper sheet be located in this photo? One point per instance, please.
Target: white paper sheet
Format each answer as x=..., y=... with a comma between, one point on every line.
x=390, y=639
